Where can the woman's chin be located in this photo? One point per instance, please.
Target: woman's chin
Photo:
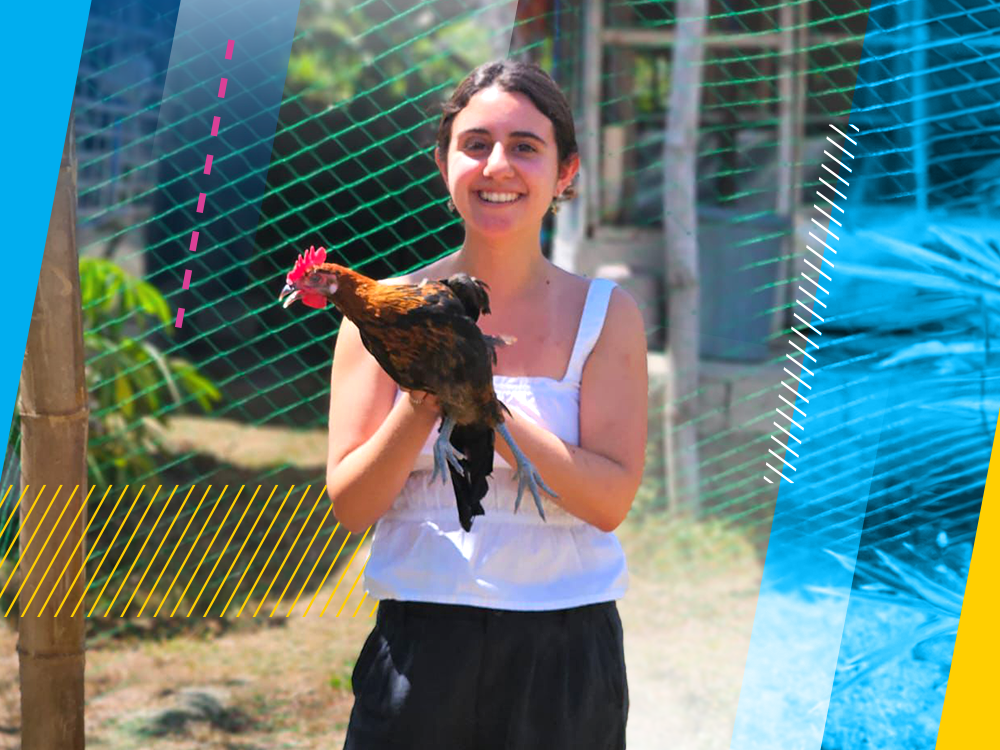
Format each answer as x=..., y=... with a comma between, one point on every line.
x=498, y=234
x=502, y=226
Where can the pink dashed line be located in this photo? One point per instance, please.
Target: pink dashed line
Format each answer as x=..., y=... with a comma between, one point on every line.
x=216, y=121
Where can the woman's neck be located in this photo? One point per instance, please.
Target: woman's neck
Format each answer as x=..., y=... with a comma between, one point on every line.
x=512, y=267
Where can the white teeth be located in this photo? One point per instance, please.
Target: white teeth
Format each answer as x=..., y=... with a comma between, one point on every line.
x=499, y=197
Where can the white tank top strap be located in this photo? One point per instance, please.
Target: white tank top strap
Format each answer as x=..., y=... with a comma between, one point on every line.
x=595, y=309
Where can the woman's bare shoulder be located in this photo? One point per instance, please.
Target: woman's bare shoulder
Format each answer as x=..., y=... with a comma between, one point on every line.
x=622, y=303
x=623, y=315
x=567, y=282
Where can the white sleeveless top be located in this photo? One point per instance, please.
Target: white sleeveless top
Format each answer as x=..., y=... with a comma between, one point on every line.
x=507, y=561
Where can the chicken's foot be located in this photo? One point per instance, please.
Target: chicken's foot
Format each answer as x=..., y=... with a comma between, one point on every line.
x=445, y=453
x=527, y=475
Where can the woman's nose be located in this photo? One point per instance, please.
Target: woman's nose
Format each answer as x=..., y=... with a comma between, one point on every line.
x=497, y=162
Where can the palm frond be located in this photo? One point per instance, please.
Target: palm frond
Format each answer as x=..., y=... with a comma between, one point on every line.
x=897, y=583
x=902, y=644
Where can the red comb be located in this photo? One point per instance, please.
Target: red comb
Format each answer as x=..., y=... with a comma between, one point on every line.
x=305, y=263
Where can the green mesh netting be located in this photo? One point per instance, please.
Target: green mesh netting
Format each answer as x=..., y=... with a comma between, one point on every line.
x=239, y=396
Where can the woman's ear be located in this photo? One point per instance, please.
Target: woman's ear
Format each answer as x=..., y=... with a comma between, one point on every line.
x=567, y=171
x=441, y=164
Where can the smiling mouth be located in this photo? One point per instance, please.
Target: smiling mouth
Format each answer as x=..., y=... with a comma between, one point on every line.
x=506, y=201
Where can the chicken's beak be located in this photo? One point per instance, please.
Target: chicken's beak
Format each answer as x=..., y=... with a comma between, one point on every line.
x=291, y=292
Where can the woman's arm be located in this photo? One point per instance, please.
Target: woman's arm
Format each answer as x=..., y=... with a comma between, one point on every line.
x=597, y=481
x=373, y=443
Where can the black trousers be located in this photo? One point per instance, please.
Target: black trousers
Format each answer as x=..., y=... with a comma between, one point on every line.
x=452, y=677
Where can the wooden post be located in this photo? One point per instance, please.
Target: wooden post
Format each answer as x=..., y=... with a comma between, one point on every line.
x=618, y=142
x=800, y=70
x=54, y=414
x=681, y=235
x=789, y=155
x=590, y=145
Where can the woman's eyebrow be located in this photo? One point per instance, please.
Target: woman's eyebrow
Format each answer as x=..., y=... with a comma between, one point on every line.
x=527, y=134
x=515, y=134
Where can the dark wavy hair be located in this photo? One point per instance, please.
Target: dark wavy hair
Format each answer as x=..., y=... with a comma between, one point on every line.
x=517, y=77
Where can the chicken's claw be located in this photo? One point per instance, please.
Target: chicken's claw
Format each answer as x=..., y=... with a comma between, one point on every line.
x=527, y=475
x=445, y=453
x=530, y=478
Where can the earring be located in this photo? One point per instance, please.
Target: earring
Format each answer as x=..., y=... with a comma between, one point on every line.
x=451, y=205
x=555, y=205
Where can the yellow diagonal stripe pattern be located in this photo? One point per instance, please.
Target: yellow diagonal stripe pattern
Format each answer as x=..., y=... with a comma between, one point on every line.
x=128, y=559
x=45, y=575
x=967, y=720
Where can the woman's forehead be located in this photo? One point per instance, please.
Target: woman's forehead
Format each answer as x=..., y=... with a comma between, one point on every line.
x=496, y=111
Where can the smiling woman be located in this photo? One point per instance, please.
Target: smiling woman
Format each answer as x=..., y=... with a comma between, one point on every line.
x=506, y=635
x=496, y=145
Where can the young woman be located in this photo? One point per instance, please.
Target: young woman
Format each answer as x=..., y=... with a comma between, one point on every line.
x=506, y=636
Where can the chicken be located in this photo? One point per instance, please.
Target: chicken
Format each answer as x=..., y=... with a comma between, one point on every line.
x=425, y=337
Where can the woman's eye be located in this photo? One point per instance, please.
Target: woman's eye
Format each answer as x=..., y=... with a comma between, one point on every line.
x=477, y=145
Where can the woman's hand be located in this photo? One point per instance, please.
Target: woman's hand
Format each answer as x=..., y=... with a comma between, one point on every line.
x=422, y=401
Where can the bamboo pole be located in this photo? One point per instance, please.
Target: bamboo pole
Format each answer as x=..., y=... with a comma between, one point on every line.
x=54, y=414
x=680, y=221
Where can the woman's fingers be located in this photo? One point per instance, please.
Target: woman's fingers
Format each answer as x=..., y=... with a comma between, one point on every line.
x=421, y=398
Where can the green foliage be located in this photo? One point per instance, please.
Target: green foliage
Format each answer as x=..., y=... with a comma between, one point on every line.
x=130, y=381
x=343, y=43
x=937, y=347
x=955, y=276
x=652, y=84
x=341, y=679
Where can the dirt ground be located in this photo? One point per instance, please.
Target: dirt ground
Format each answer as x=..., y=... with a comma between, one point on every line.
x=686, y=638
x=687, y=620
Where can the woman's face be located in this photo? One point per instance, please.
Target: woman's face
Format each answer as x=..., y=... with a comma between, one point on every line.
x=502, y=163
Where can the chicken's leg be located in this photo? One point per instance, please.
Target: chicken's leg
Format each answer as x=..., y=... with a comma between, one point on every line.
x=446, y=453
x=527, y=475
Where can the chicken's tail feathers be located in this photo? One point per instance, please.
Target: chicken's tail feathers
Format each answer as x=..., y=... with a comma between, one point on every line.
x=477, y=445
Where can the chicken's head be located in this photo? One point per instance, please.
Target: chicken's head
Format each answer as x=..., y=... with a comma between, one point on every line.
x=309, y=280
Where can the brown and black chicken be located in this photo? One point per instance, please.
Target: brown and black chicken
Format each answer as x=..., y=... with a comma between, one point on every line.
x=425, y=337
